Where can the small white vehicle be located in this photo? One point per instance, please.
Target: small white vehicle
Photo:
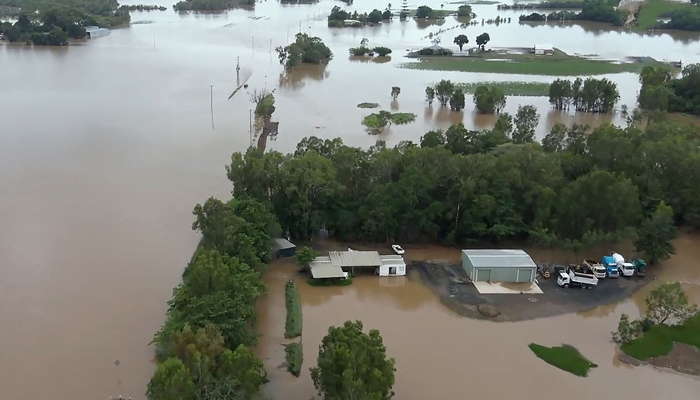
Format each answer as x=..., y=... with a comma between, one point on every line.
x=626, y=269
x=571, y=278
x=397, y=249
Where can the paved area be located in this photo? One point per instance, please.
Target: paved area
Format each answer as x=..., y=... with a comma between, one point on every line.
x=507, y=288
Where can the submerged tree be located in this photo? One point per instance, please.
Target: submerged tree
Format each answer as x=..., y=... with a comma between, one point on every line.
x=305, y=49
x=353, y=365
x=429, y=95
x=457, y=100
x=395, y=91
x=526, y=120
x=304, y=256
x=489, y=99
x=669, y=302
x=461, y=40
x=443, y=91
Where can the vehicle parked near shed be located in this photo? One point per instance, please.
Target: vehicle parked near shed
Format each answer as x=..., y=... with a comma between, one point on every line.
x=397, y=249
x=571, y=278
x=611, y=267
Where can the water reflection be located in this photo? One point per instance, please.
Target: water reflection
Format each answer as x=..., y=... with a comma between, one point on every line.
x=394, y=105
x=297, y=78
x=367, y=59
x=427, y=23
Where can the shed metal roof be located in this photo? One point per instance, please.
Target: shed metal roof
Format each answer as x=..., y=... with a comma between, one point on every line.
x=280, y=243
x=355, y=258
x=324, y=271
x=497, y=258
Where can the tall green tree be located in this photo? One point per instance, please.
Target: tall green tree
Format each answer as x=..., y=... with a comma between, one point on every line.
x=655, y=235
x=669, y=303
x=461, y=40
x=482, y=40
x=526, y=120
x=171, y=381
x=304, y=256
x=443, y=91
x=353, y=365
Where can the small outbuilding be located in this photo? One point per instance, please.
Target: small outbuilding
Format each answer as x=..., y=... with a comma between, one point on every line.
x=93, y=32
x=283, y=248
x=392, y=265
x=496, y=265
x=544, y=49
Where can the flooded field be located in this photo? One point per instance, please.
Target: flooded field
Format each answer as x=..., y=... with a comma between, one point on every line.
x=107, y=145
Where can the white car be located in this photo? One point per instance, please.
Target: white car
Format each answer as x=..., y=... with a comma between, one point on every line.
x=397, y=249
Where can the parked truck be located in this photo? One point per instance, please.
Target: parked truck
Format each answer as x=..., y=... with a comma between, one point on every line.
x=572, y=278
x=626, y=269
x=596, y=268
x=611, y=267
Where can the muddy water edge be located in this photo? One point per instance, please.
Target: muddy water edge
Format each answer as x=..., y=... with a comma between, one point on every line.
x=440, y=354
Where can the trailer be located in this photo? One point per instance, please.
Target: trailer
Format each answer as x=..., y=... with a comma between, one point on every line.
x=596, y=268
x=571, y=278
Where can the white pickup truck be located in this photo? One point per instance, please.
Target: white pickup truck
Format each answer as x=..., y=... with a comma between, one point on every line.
x=571, y=278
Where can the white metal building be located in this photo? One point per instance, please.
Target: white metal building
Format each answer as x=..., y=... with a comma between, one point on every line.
x=95, y=32
x=392, y=265
x=544, y=49
x=336, y=262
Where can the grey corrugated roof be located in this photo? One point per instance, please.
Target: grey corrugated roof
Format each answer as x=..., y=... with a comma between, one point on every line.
x=495, y=258
x=280, y=243
x=355, y=258
x=324, y=271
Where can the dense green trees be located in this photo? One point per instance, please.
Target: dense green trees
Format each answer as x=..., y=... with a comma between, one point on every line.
x=203, y=345
x=663, y=93
x=457, y=102
x=458, y=185
x=592, y=95
x=55, y=24
x=465, y=10
x=687, y=19
x=526, y=120
x=353, y=365
x=489, y=99
x=655, y=235
x=305, y=49
x=482, y=40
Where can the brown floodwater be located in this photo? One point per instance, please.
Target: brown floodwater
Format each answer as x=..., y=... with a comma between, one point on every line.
x=440, y=354
x=105, y=147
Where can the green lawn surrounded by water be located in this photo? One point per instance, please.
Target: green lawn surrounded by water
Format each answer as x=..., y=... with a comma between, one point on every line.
x=564, y=357
x=651, y=10
x=658, y=341
x=559, y=64
x=510, y=88
x=292, y=299
x=294, y=356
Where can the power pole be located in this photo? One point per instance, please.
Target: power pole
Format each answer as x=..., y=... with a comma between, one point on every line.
x=154, y=42
x=211, y=104
x=238, y=72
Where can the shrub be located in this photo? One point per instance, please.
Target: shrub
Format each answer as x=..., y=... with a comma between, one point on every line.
x=294, y=355
x=292, y=327
x=564, y=357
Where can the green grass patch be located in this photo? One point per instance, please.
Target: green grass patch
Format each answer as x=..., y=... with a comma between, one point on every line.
x=559, y=64
x=651, y=11
x=658, y=341
x=292, y=327
x=403, y=118
x=367, y=105
x=330, y=282
x=294, y=355
x=510, y=88
x=564, y=357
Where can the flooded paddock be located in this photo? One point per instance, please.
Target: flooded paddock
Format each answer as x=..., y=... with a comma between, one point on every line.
x=107, y=145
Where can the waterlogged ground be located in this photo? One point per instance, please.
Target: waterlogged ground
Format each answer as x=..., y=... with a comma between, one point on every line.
x=106, y=146
x=441, y=355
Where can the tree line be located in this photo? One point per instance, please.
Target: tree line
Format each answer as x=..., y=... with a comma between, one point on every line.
x=338, y=16
x=590, y=95
x=591, y=10
x=660, y=91
x=687, y=20
x=210, y=5
x=203, y=346
x=459, y=186
x=53, y=26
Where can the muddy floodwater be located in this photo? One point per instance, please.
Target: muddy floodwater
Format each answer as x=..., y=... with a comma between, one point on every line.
x=442, y=355
x=106, y=145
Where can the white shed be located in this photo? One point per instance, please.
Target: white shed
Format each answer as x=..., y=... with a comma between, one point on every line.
x=392, y=265
x=544, y=49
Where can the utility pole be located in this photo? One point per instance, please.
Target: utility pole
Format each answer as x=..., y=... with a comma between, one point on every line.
x=154, y=42
x=287, y=35
x=211, y=104
x=270, y=46
x=252, y=40
x=238, y=72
